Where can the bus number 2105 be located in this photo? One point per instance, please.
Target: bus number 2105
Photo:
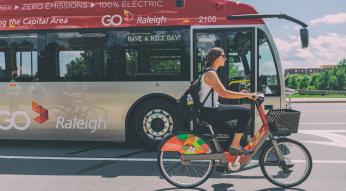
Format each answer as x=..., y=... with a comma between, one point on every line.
x=207, y=19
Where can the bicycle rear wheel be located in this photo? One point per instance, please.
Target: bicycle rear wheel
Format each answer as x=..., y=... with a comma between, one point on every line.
x=184, y=174
x=296, y=157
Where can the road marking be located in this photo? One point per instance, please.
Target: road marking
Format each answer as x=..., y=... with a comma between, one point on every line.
x=329, y=161
x=324, y=131
x=79, y=158
x=138, y=159
x=336, y=140
x=321, y=111
x=322, y=123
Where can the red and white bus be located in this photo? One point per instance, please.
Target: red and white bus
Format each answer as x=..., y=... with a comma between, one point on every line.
x=111, y=70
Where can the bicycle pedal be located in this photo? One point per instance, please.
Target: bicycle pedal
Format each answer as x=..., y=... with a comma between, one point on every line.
x=290, y=165
x=226, y=172
x=221, y=168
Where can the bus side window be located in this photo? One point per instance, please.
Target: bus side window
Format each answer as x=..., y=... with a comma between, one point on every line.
x=27, y=63
x=18, y=57
x=76, y=56
x=152, y=55
x=4, y=75
x=72, y=65
x=204, y=42
x=131, y=62
x=5, y=58
x=239, y=60
x=268, y=78
x=179, y=3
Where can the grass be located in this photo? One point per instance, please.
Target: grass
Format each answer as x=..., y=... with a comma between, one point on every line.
x=318, y=96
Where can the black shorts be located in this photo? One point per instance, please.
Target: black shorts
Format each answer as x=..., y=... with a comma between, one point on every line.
x=224, y=113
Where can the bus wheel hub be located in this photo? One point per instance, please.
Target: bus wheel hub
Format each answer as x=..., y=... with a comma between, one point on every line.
x=157, y=124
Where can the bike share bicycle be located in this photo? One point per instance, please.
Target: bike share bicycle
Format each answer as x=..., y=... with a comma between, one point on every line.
x=187, y=159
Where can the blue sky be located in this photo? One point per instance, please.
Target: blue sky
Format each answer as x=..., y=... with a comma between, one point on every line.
x=327, y=25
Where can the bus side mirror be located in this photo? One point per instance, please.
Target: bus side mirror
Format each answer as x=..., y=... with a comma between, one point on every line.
x=304, y=37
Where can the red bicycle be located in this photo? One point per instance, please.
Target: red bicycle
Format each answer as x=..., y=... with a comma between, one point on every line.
x=187, y=159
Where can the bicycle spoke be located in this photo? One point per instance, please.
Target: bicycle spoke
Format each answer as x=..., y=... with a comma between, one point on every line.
x=184, y=173
x=172, y=166
x=297, y=160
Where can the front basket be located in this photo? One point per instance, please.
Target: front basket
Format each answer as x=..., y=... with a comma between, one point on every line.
x=283, y=121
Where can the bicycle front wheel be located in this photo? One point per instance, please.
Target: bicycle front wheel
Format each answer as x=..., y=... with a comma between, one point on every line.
x=297, y=159
x=184, y=174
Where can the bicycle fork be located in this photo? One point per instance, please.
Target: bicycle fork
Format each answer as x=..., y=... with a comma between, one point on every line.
x=278, y=153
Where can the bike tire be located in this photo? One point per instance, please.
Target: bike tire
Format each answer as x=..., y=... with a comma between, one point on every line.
x=283, y=142
x=168, y=178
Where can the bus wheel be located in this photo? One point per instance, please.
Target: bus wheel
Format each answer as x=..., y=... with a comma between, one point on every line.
x=155, y=120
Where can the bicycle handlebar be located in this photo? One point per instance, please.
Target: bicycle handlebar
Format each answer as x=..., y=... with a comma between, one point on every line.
x=260, y=98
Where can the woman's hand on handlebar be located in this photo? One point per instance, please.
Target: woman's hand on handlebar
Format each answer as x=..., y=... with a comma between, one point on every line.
x=252, y=96
x=244, y=91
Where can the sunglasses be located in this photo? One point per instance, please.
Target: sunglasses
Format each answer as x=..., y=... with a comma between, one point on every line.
x=223, y=56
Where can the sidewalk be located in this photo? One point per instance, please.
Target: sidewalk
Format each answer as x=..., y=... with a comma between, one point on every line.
x=318, y=100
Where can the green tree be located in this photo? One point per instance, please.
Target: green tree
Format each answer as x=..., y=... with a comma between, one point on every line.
x=233, y=70
x=341, y=75
x=332, y=82
x=313, y=81
x=320, y=82
x=303, y=82
x=324, y=80
x=291, y=81
x=77, y=69
x=166, y=66
x=333, y=79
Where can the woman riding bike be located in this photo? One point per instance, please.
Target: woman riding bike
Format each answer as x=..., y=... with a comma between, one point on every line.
x=218, y=114
x=187, y=159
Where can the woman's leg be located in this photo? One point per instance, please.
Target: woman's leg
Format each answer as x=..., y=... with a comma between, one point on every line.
x=236, y=140
x=242, y=114
x=208, y=114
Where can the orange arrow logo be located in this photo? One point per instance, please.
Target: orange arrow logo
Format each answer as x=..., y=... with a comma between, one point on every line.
x=43, y=117
x=128, y=15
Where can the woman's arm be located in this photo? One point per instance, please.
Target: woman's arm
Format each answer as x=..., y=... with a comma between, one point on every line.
x=212, y=80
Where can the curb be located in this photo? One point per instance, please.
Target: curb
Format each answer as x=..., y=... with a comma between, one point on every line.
x=323, y=100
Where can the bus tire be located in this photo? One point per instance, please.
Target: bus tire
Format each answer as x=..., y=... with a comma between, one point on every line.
x=154, y=120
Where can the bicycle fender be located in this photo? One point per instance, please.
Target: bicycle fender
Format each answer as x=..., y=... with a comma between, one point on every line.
x=186, y=144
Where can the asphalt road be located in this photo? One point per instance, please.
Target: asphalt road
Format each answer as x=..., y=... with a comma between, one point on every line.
x=84, y=166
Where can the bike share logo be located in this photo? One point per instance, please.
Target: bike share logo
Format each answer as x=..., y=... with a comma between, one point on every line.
x=172, y=146
x=116, y=20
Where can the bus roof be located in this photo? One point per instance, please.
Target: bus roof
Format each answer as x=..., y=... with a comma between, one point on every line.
x=47, y=14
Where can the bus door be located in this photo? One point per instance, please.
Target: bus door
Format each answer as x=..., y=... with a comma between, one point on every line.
x=268, y=78
x=238, y=73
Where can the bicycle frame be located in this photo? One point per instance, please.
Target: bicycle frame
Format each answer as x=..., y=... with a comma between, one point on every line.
x=254, y=144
